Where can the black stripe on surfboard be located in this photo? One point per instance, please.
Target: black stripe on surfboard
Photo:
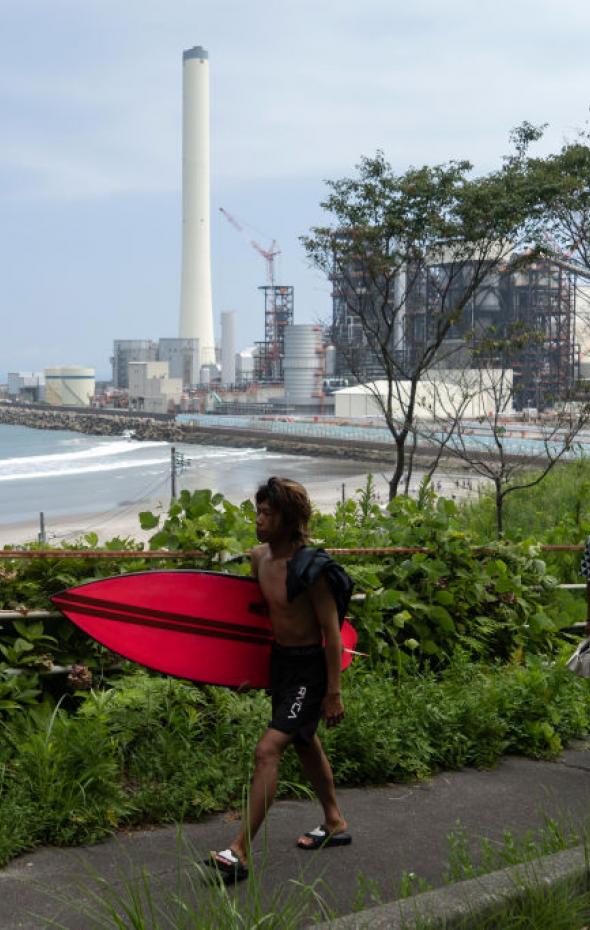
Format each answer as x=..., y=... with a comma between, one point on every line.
x=74, y=599
x=195, y=630
x=196, y=625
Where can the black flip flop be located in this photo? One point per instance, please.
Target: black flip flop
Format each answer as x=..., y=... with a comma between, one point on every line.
x=321, y=837
x=228, y=866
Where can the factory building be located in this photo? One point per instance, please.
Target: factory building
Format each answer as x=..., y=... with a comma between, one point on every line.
x=530, y=304
x=537, y=298
x=441, y=396
x=27, y=386
x=353, y=298
x=182, y=356
x=245, y=365
x=192, y=357
x=130, y=350
x=151, y=388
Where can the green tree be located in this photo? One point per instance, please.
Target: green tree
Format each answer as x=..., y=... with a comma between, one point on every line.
x=407, y=253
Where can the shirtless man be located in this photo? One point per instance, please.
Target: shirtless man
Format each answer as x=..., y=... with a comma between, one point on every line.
x=305, y=675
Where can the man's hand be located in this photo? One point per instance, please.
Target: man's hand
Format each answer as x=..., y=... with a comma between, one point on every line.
x=333, y=709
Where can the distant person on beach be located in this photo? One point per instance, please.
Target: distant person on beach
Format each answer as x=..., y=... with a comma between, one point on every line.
x=307, y=595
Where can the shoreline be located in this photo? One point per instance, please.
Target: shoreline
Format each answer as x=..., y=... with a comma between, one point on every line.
x=325, y=494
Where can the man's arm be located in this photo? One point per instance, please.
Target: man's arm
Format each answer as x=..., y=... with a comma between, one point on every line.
x=324, y=606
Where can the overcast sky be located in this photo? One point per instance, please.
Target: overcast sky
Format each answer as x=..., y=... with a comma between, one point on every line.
x=90, y=141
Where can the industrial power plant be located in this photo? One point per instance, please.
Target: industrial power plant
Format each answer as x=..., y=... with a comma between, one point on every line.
x=306, y=368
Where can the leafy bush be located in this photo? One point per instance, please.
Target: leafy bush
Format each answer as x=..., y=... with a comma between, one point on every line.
x=204, y=521
x=492, y=602
x=26, y=585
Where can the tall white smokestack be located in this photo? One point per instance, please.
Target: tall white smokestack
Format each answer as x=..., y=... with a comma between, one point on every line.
x=196, y=311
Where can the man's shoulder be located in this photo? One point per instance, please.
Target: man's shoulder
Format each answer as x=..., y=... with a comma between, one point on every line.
x=258, y=552
x=308, y=565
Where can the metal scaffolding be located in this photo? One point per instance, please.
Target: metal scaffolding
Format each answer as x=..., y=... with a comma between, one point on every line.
x=528, y=309
x=540, y=298
x=278, y=314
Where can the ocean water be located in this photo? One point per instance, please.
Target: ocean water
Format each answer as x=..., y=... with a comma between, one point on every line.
x=64, y=473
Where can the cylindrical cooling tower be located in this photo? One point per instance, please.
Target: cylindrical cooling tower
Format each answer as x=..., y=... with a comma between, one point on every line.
x=303, y=365
x=196, y=312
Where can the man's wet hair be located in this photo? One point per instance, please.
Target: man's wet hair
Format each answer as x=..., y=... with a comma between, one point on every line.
x=291, y=500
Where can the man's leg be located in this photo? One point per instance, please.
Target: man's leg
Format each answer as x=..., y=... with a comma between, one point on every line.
x=269, y=751
x=318, y=770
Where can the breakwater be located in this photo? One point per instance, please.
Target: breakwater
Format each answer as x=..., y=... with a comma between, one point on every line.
x=105, y=423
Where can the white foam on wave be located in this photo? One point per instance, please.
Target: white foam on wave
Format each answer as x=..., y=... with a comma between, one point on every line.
x=228, y=453
x=118, y=455
x=107, y=456
x=81, y=469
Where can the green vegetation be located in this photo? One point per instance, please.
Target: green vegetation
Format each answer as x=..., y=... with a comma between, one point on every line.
x=492, y=602
x=465, y=863
x=155, y=750
x=195, y=901
x=465, y=661
x=556, y=512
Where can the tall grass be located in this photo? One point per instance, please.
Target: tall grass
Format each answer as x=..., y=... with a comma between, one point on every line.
x=197, y=899
x=556, y=510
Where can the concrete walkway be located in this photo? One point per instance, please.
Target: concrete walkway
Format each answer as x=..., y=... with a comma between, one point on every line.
x=396, y=828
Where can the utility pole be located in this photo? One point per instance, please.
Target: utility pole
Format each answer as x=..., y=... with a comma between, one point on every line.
x=173, y=472
x=178, y=463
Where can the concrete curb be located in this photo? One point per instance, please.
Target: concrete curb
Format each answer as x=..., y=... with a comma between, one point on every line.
x=467, y=904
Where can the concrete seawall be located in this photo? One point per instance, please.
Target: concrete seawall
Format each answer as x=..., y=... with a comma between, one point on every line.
x=166, y=429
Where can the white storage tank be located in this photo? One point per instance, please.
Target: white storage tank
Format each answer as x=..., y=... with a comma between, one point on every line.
x=67, y=386
x=303, y=365
x=330, y=361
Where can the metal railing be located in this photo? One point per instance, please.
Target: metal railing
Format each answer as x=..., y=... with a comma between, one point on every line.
x=181, y=555
x=518, y=439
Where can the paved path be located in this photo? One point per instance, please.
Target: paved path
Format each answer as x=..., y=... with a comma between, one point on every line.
x=396, y=828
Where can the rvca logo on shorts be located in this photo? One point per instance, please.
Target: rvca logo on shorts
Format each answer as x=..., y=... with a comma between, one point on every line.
x=297, y=703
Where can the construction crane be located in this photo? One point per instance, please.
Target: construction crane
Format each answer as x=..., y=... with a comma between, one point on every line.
x=268, y=255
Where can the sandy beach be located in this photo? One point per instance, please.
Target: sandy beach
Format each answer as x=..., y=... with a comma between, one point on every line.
x=124, y=522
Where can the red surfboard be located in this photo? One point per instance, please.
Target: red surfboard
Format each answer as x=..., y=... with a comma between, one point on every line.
x=205, y=626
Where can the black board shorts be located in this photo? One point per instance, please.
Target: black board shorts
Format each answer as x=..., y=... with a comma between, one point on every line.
x=298, y=681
